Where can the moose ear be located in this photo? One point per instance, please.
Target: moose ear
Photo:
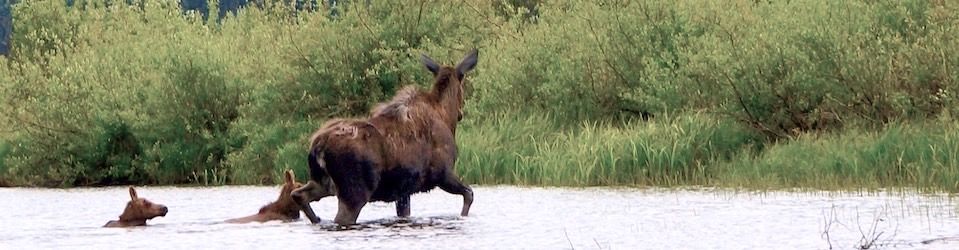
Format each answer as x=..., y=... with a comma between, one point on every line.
x=289, y=176
x=468, y=63
x=430, y=64
x=133, y=194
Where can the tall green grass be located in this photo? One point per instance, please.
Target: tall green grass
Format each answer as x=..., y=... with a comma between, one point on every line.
x=4, y=150
x=668, y=151
x=696, y=149
x=921, y=155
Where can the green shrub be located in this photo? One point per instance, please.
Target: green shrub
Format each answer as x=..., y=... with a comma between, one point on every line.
x=113, y=159
x=591, y=61
x=335, y=68
x=566, y=92
x=785, y=74
x=45, y=29
x=192, y=114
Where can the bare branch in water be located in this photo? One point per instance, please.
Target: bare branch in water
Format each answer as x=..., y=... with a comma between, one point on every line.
x=828, y=221
x=873, y=237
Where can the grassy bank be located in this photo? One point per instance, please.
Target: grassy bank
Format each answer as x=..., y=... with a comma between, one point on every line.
x=697, y=149
x=922, y=155
x=668, y=151
x=763, y=94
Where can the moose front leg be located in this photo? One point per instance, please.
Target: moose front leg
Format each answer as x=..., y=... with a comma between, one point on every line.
x=403, y=206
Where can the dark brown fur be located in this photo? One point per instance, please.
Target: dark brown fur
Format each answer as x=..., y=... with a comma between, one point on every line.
x=405, y=146
x=283, y=209
x=137, y=212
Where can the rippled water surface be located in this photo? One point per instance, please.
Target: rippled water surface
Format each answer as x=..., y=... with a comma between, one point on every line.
x=501, y=218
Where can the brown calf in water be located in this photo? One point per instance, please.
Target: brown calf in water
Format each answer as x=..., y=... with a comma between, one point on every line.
x=405, y=146
x=137, y=212
x=283, y=208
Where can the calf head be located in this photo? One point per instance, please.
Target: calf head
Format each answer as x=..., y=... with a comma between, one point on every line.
x=283, y=209
x=285, y=205
x=141, y=209
x=138, y=211
x=317, y=188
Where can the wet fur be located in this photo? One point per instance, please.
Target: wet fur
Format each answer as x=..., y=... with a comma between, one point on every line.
x=405, y=146
x=137, y=212
x=283, y=209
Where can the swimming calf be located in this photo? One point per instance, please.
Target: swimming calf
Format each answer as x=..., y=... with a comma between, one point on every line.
x=137, y=212
x=283, y=209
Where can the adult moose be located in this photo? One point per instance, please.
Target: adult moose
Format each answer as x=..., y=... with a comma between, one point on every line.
x=405, y=146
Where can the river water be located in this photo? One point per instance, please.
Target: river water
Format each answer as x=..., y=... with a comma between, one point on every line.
x=502, y=217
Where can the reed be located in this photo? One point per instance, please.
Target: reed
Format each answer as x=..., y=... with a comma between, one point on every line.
x=535, y=151
x=909, y=155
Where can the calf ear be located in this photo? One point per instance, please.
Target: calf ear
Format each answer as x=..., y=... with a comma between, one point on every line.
x=133, y=193
x=290, y=178
x=468, y=63
x=430, y=64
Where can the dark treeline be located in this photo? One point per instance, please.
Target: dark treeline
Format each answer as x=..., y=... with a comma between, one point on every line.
x=222, y=8
x=6, y=26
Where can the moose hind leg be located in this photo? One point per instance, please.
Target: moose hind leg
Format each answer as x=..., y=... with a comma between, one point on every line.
x=403, y=206
x=452, y=184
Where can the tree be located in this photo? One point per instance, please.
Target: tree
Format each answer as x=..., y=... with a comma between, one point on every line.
x=6, y=26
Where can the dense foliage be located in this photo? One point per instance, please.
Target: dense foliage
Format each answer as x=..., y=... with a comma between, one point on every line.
x=740, y=93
